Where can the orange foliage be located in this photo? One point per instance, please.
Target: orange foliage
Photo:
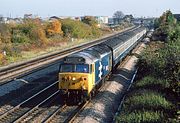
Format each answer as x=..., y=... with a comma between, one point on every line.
x=54, y=28
x=2, y=58
x=38, y=34
x=42, y=35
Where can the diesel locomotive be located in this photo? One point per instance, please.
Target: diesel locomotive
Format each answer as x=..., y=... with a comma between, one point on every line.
x=82, y=73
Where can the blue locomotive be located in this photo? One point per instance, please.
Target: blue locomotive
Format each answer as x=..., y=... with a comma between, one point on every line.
x=82, y=73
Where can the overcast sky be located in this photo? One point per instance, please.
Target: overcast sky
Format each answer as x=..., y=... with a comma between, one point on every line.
x=45, y=8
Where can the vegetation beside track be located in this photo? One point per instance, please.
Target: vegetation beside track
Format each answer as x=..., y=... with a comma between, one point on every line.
x=154, y=96
x=33, y=37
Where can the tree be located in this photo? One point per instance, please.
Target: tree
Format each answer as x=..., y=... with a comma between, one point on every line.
x=165, y=24
x=118, y=14
x=76, y=29
x=167, y=19
x=54, y=28
x=30, y=29
x=90, y=20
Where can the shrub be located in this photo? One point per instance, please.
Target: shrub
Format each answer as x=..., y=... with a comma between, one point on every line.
x=5, y=35
x=11, y=50
x=150, y=82
x=54, y=28
x=164, y=25
x=146, y=100
x=174, y=34
x=1, y=58
x=77, y=29
x=141, y=117
x=20, y=38
x=33, y=29
x=38, y=36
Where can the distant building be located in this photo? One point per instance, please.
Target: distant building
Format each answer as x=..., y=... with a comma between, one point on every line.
x=2, y=19
x=54, y=18
x=115, y=21
x=26, y=16
x=30, y=16
x=78, y=18
x=177, y=16
x=66, y=17
x=10, y=20
x=102, y=19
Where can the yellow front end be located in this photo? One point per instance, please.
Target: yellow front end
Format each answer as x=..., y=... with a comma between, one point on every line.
x=76, y=82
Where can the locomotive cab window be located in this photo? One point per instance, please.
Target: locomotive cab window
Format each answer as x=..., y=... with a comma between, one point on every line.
x=67, y=68
x=82, y=68
x=79, y=68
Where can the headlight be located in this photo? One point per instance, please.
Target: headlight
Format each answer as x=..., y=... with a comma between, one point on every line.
x=73, y=78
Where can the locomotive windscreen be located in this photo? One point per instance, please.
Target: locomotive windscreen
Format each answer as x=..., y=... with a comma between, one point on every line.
x=79, y=68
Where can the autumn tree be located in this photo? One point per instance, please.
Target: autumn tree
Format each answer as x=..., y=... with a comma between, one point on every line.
x=54, y=28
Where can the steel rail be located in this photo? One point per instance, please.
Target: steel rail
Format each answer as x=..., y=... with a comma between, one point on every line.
x=26, y=101
x=50, y=117
x=28, y=113
x=77, y=111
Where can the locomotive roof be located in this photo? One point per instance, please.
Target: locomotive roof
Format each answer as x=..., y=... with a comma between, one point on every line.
x=120, y=39
x=138, y=30
x=91, y=54
x=117, y=40
x=101, y=48
x=87, y=58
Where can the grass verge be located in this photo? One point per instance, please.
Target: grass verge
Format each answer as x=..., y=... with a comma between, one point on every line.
x=147, y=102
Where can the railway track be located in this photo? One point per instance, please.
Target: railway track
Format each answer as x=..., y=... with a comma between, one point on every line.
x=22, y=69
x=24, y=108
x=38, y=110
x=65, y=114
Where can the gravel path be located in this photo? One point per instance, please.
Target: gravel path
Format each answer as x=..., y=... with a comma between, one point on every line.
x=104, y=106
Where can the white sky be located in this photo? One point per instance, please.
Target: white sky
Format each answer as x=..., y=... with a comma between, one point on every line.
x=44, y=8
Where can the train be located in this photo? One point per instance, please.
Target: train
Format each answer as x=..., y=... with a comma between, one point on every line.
x=81, y=74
